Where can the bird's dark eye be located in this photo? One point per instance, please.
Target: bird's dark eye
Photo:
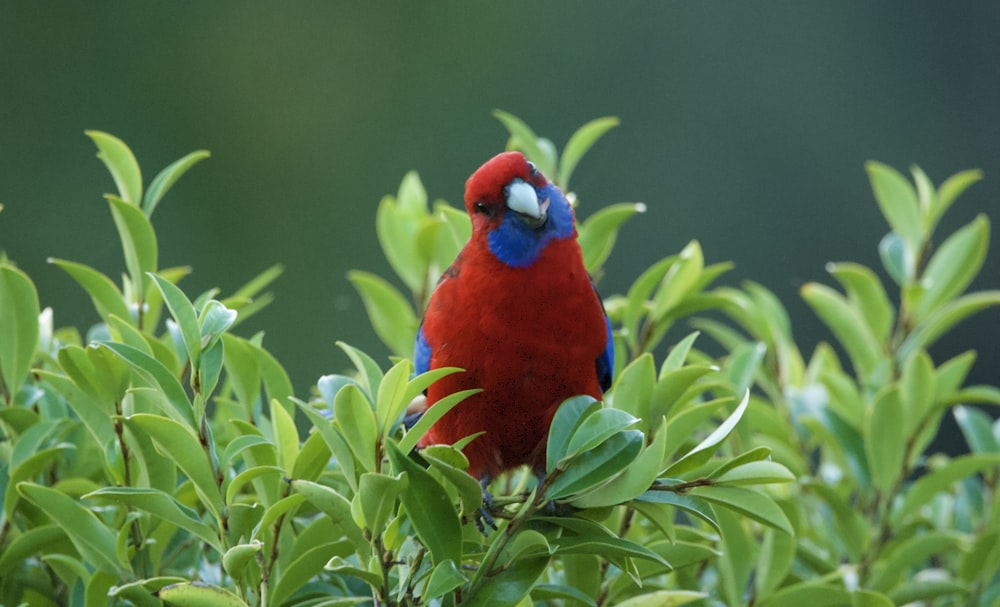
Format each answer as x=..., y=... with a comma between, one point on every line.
x=532, y=169
x=483, y=208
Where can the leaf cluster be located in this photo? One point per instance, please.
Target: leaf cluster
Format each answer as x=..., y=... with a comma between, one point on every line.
x=161, y=458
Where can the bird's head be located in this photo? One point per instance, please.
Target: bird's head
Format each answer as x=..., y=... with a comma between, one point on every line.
x=516, y=209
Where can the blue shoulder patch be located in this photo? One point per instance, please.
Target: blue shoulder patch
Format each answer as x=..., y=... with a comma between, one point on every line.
x=606, y=361
x=421, y=353
x=517, y=245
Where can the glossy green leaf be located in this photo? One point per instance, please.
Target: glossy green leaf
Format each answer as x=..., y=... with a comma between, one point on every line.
x=707, y=447
x=756, y=473
x=335, y=506
x=390, y=313
x=97, y=371
x=453, y=466
x=182, y=446
x=355, y=420
x=896, y=565
x=811, y=593
x=303, y=566
x=592, y=468
x=430, y=416
x=897, y=259
x=19, y=312
x=923, y=489
x=598, y=233
x=444, y=578
x=138, y=240
x=166, y=178
x=121, y=163
x=950, y=190
x=429, y=509
x=633, y=480
x=954, y=265
x=898, y=201
x=977, y=428
x=392, y=397
x=163, y=506
x=566, y=420
x=885, y=438
x=944, y=318
x=633, y=387
x=32, y=541
x=866, y=292
x=286, y=435
x=925, y=590
x=184, y=314
x=369, y=373
x=596, y=428
x=508, y=586
x=94, y=541
x=103, y=292
x=180, y=408
x=235, y=485
x=238, y=558
x=679, y=353
x=579, y=142
x=678, y=281
x=525, y=139
x=749, y=503
x=378, y=494
x=847, y=323
x=664, y=598
x=195, y=594
x=275, y=514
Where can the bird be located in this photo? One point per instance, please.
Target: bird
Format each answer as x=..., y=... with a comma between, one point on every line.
x=518, y=312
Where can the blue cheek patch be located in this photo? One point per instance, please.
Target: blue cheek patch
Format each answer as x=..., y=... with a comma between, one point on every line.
x=421, y=353
x=517, y=245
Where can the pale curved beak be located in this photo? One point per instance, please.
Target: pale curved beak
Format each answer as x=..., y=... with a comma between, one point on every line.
x=523, y=200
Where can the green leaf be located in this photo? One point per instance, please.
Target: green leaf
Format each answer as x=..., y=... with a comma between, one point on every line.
x=275, y=512
x=812, y=593
x=355, y=419
x=429, y=509
x=847, y=323
x=453, y=466
x=634, y=480
x=524, y=138
x=898, y=201
x=756, y=473
x=597, y=235
x=378, y=494
x=138, y=241
x=633, y=388
x=707, y=447
x=866, y=293
x=596, y=428
x=679, y=353
x=237, y=558
x=679, y=280
x=105, y=295
x=337, y=508
x=97, y=371
x=392, y=397
x=885, y=438
x=508, y=586
x=94, y=541
x=950, y=190
x=121, y=163
x=925, y=590
x=286, y=435
x=19, y=312
x=977, y=428
x=953, y=266
x=941, y=479
x=581, y=141
x=688, y=503
x=597, y=466
x=180, y=408
x=194, y=594
x=182, y=446
x=664, y=598
x=749, y=503
x=235, y=485
x=430, y=416
x=162, y=183
x=445, y=577
x=896, y=565
x=162, y=506
x=305, y=565
x=944, y=318
x=391, y=315
x=566, y=420
x=184, y=314
x=370, y=375
x=897, y=259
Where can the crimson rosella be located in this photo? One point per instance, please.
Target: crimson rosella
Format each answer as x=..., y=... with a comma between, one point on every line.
x=518, y=312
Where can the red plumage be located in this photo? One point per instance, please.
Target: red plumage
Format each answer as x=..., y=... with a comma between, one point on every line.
x=528, y=336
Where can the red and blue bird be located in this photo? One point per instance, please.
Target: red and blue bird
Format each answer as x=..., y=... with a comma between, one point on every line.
x=519, y=313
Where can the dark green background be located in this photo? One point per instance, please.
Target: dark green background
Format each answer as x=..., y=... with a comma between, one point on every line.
x=744, y=125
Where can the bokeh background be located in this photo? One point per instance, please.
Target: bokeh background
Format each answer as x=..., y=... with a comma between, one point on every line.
x=744, y=125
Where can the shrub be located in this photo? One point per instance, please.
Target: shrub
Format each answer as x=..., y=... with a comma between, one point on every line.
x=164, y=459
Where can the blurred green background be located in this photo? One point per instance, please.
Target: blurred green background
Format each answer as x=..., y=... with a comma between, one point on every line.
x=744, y=125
